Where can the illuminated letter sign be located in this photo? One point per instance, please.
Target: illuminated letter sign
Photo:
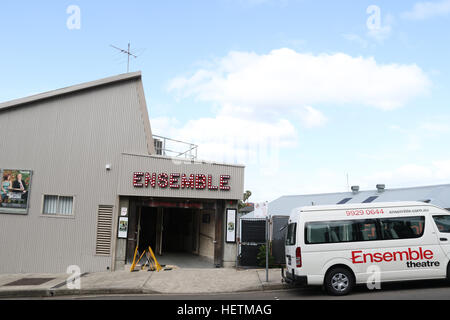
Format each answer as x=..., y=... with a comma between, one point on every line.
x=183, y=181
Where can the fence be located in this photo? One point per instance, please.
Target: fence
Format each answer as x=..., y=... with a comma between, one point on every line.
x=174, y=148
x=252, y=235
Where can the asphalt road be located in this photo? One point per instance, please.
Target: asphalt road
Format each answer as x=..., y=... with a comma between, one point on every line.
x=418, y=290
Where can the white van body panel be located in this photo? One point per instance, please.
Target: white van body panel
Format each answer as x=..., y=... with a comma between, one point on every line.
x=425, y=257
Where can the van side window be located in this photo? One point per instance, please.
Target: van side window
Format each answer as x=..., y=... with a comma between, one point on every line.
x=331, y=232
x=369, y=229
x=317, y=233
x=443, y=223
x=290, y=235
x=402, y=228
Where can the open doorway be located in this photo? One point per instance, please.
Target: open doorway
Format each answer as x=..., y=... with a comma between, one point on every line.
x=181, y=237
x=169, y=230
x=179, y=231
x=148, y=228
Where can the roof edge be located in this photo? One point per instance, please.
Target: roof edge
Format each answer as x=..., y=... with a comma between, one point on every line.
x=182, y=160
x=363, y=205
x=68, y=90
x=359, y=192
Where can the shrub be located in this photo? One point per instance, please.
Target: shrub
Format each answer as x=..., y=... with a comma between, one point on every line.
x=261, y=257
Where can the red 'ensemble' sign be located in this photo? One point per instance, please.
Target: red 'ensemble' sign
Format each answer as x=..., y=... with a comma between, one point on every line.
x=418, y=258
x=388, y=256
x=180, y=181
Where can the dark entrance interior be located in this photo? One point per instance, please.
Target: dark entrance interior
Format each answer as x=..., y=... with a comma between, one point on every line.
x=168, y=230
x=147, y=234
x=178, y=231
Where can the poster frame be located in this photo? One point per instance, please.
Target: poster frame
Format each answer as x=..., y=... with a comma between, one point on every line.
x=17, y=211
x=231, y=219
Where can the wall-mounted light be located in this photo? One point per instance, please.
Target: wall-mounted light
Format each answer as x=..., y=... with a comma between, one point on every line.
x=108, y=167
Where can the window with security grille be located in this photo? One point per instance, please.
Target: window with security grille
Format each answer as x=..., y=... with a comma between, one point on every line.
x=58, y=205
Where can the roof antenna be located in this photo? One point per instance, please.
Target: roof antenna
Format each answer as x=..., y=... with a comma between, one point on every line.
x=128, y=52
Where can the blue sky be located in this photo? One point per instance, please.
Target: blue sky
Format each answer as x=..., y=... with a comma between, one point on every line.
x=301, y=92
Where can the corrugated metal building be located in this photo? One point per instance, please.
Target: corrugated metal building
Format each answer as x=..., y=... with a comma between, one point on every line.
x=81, y=184
x=438, y=195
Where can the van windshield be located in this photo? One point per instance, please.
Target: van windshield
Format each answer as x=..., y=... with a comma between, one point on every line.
x=290, y=235
x=443, y=223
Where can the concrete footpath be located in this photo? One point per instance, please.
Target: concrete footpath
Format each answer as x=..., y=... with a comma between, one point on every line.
x=175, y=281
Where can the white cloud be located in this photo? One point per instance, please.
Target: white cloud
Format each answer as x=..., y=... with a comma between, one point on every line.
x=164, y=126
x=233, y=140
x=285, y=80
x=426, y=10
x=260, y=98
x=311, y=117
x=436, y=172
x=416, y=135
x=442, y=169
x=435, y=127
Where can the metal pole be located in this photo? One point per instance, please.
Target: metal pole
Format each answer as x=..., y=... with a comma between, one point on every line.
x=267, y=249
x=128, y=53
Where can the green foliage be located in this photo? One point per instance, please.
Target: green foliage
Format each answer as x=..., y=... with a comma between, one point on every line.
x=246, y=196
x=261, y=257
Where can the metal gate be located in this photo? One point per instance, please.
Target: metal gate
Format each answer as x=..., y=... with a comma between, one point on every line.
x=252, y=237
x=279, y=224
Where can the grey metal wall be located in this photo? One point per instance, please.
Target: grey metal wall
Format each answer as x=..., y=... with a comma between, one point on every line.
x=279, y=229
x=67, y=141
x=136, y=163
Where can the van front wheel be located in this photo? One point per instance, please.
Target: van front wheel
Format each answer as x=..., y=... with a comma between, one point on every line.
x=339, y=282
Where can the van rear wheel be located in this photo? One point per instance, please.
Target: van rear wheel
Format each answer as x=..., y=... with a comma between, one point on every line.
x=339, y=282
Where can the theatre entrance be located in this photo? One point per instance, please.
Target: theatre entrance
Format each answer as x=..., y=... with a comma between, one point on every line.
x=179, y=234
x=169, y=230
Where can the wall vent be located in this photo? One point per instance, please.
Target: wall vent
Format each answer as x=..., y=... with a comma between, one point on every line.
x=104, y=230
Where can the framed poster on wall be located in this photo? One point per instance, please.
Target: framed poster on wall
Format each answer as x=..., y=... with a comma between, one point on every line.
x=231, y=226
x=15, y=189
x=123, y=228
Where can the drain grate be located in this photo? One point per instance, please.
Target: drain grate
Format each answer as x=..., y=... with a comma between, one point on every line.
x=29, y=282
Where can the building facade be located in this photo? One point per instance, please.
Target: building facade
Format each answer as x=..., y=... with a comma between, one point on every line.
x=82, y=184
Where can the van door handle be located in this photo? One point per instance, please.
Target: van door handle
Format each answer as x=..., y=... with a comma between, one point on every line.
x=443, y=239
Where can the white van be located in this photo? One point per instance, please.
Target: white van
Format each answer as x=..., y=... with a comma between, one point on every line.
x=343, y=245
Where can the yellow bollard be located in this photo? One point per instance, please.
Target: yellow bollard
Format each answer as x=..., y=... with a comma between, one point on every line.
x=134, y=260
x=158, y=266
